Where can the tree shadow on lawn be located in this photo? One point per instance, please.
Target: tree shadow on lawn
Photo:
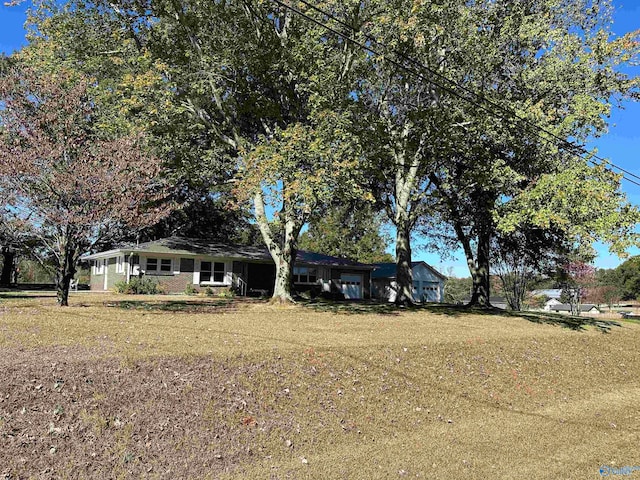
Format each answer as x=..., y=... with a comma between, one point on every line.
x=175, y=306
x=565, y=321
x=371, y=308
x=352, y=307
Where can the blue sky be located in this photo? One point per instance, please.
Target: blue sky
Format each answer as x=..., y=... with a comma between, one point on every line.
x=621, y=144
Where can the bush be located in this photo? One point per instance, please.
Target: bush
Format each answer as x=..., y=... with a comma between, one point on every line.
x=137, y=286
x=208, y=291
x=227, y=293
x=190, y=289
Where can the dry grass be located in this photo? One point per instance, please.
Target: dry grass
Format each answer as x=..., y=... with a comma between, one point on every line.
x=172, y=387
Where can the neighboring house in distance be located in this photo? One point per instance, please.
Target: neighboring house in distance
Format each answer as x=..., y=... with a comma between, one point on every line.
x=565, y=308
x=176, y=262
x=549, y=304
x=428, y=283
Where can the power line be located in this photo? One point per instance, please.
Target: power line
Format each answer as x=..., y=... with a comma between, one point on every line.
x=572, y=148
x=512, y=113
x=501, y=107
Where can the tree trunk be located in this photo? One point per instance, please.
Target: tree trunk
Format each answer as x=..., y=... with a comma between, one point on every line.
x=8, y=258
x=284, y=274
x=284, y=257
x=64, y=274
x=404, y=275
x=480, y=294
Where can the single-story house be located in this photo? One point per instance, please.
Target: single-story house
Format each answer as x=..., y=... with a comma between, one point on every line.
x=177, y=262
x=428, y=283
x=552, y=302
x=565, y=308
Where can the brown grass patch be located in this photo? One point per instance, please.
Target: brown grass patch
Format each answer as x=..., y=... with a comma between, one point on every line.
x=169, y=388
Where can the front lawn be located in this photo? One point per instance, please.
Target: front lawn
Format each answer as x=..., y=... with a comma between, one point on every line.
x=186, y=387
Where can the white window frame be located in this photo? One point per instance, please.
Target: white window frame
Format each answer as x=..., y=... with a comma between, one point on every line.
x=163, y=263
x=303, y=275
x=158, y=264
x=120, y=264
x=212, y=278
x=147, y=267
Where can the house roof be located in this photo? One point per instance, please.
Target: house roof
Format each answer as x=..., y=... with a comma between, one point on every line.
x=197, y=246
x=388, y=270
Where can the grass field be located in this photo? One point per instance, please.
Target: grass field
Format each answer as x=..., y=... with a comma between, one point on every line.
x=187, y=388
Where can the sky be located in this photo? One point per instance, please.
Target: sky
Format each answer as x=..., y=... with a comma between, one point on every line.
x=621, y=145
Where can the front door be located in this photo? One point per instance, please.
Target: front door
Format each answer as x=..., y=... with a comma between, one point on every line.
x=351, y=286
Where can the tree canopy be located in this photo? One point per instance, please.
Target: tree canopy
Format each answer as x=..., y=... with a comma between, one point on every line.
x=453, y=117
x=72, y=185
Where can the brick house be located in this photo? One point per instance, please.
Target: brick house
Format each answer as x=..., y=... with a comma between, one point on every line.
x=177, y=262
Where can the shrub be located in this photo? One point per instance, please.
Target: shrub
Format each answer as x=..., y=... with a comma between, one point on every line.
x=137, y=286
x=229, y=293
x=190, y=289
x=208, y=291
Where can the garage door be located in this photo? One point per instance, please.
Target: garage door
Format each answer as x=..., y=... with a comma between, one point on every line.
x=351, y=286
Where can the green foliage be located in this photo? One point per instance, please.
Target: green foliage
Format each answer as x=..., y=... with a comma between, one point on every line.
x=138, y=286
x=625, y=278
x=585, y=202
x=227, y=293
x=208, y=292
x=456, y=290
x=190, y=289
x=30, y=271
x=351, y=231
x=536, y=301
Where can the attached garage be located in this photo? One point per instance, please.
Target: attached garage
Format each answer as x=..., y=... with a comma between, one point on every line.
x=351, y=285
x=428, y=283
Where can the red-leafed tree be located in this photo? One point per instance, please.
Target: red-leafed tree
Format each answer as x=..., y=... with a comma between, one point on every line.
x=73, y=184
x=576, y=277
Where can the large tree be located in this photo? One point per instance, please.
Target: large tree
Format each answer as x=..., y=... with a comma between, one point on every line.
x=74, y=185
x=257, y=82
x=403, y=114
x=548, y=63
x=143, y=81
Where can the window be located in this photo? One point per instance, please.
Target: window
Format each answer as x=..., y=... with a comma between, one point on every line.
x=152, y=264
x=187, y=265
x=212, y=272
x=159, y=265
x=304, y=275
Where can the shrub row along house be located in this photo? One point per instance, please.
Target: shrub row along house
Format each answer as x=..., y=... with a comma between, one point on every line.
x=180, y=263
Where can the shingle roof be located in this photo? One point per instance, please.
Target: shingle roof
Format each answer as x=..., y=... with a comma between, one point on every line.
x=311, y=258
x=197, y=246
x=388, y=270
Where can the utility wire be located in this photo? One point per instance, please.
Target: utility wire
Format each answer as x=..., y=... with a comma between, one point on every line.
x=576, y=150
x=497, y=105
